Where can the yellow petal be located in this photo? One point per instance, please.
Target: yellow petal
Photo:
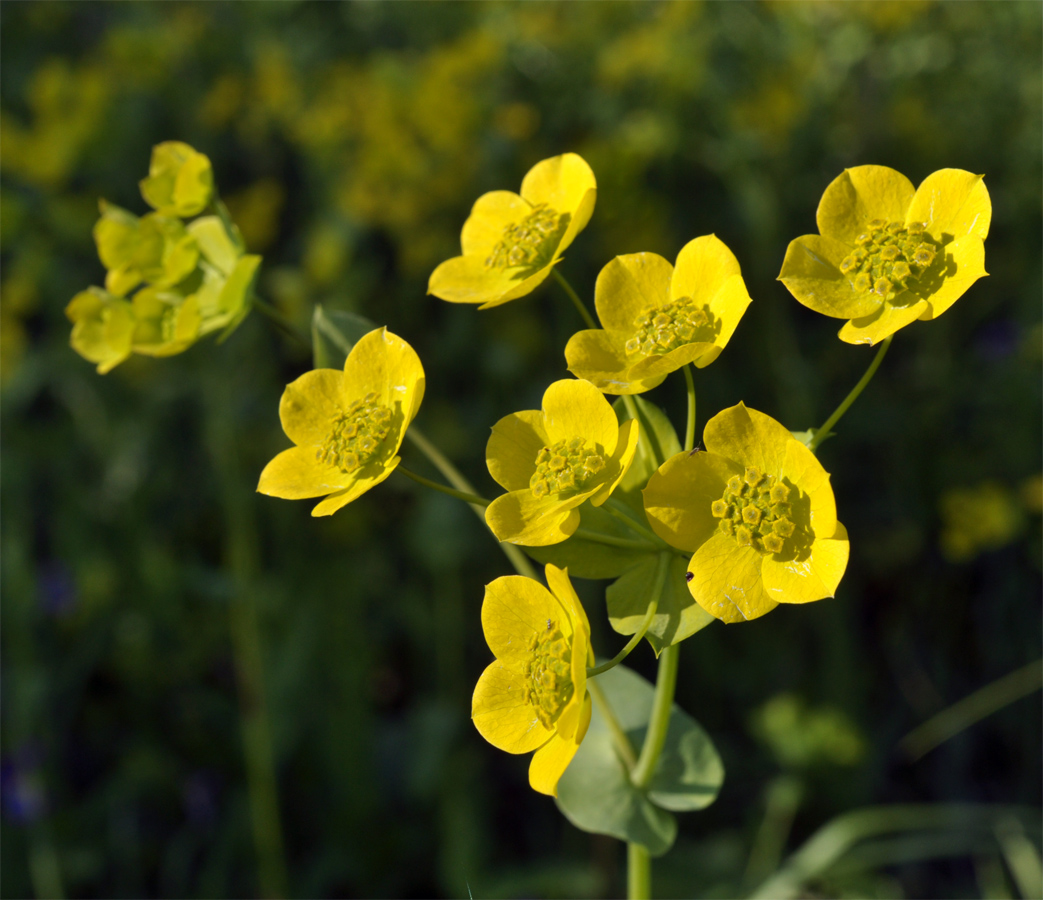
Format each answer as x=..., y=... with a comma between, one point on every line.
x=679, y=495
x=859, y=195
x=523, y=287
x=965, y=258
x=577, y=221
x=311, y=403
x=466, y=279
x=803, y=469
x=502, y=713
x=629, y=286
x=626, y=447
x=728, y=306
x=811, y=274
x=575, y=408
x=490, y=215
x=560, y=585
x=726, y=580
x=873, y=329
x=515, y=609
x=519, y=518
x=552, y=759
x=214, y=243
x=296, y=474
x=748, y=438
x=813, y=578
x=103, y=328
x=383, y=363
x=561, y=182
x=703, y=265
x=513, y=446
x=166, y=323
x=656, y=367
x=369, y=476
x=952, y=202
x=600, y=357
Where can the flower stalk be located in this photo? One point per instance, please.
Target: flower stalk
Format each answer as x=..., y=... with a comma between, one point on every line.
x=822, y=433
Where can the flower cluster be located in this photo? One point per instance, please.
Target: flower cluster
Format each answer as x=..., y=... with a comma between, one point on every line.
x=187, y=280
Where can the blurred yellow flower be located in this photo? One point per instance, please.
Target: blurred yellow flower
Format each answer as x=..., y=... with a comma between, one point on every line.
x=887, y=254
x=226, y=274
x=511, y=242
x=658, y=318
x=553, y=459
x=180, y=180
x=102, y=327
x=347, y=425
x=534, y=696
x=165, y=323
x=975, y=519
x=756, y=511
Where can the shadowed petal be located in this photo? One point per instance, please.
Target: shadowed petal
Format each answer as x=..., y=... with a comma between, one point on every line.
x=859, y=195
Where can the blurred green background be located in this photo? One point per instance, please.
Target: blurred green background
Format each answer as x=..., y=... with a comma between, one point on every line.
x=350, y=141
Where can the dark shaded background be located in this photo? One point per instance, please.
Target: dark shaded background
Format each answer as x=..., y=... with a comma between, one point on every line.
x=350, y=141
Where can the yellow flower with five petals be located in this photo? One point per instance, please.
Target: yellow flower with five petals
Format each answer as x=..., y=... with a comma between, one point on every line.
x=534, y=696
x=888, y=254
x=510, y=242
x=347, y=425
x=553, y=459
x=756, y=510
x=657, y=318
x=180, y=180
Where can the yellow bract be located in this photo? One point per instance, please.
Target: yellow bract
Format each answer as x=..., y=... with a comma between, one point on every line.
x=511, y=242
x=534, y=696
x=657, y=318
x=553, y=459
x=887, y=254
x=347, y=425
x=756, y=511
x=180, y=180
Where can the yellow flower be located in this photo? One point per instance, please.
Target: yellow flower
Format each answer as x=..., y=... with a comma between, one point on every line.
x=166, y=323
x=180, y=180
x=347, y=425
x=510, y=242
x=155, y=248
x=534, y=697
x=103, y=327
x=552, y=459
x=658, y=318
x=887, y=254
x=756, y=511
x=227, y=274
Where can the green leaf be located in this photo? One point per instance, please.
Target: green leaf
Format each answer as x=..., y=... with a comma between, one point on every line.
x=657, y=436
x=334, y=332
x=587, y=558
x=595, y=793
x=677, y=617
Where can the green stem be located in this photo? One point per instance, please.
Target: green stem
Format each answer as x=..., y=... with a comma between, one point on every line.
x=617, y=510
x=597, y=537
x=657, y=592
x=473, y=499
x=619, y=736
x=649, y=443
x=574, y=297
x=639, y=872
x=655, y=737
x=822, y=433
x=279, y=320
x=689, y=431
x=451, y=474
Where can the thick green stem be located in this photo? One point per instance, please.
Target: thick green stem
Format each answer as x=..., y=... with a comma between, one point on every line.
x=649, y=443
x=655, y=737
x=689, y=431
x=639, y=872
x=574, y=297
x=451, y=474
x=822, y=433
x=657, y=593
x=473, y=499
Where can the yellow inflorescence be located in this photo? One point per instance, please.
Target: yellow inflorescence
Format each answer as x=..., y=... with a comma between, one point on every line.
x=565, y=466
x=754, y=510
x=356, y=434
x=550, y=674
x=525, y=243
x=671, y=326
x=890, y=257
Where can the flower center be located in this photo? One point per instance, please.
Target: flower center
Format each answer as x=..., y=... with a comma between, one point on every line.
x=754, y=510
x=356, y=434
x=890, y=258
x=550, y=674
x=666, y=328
x=566, y=466
x=527, y=242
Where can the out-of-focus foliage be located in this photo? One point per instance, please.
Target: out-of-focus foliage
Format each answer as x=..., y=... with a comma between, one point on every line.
x=350, y=141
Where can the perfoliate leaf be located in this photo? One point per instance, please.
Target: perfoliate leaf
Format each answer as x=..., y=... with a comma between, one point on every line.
x=334, y=332
x=677, y=617
x=596, y=794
